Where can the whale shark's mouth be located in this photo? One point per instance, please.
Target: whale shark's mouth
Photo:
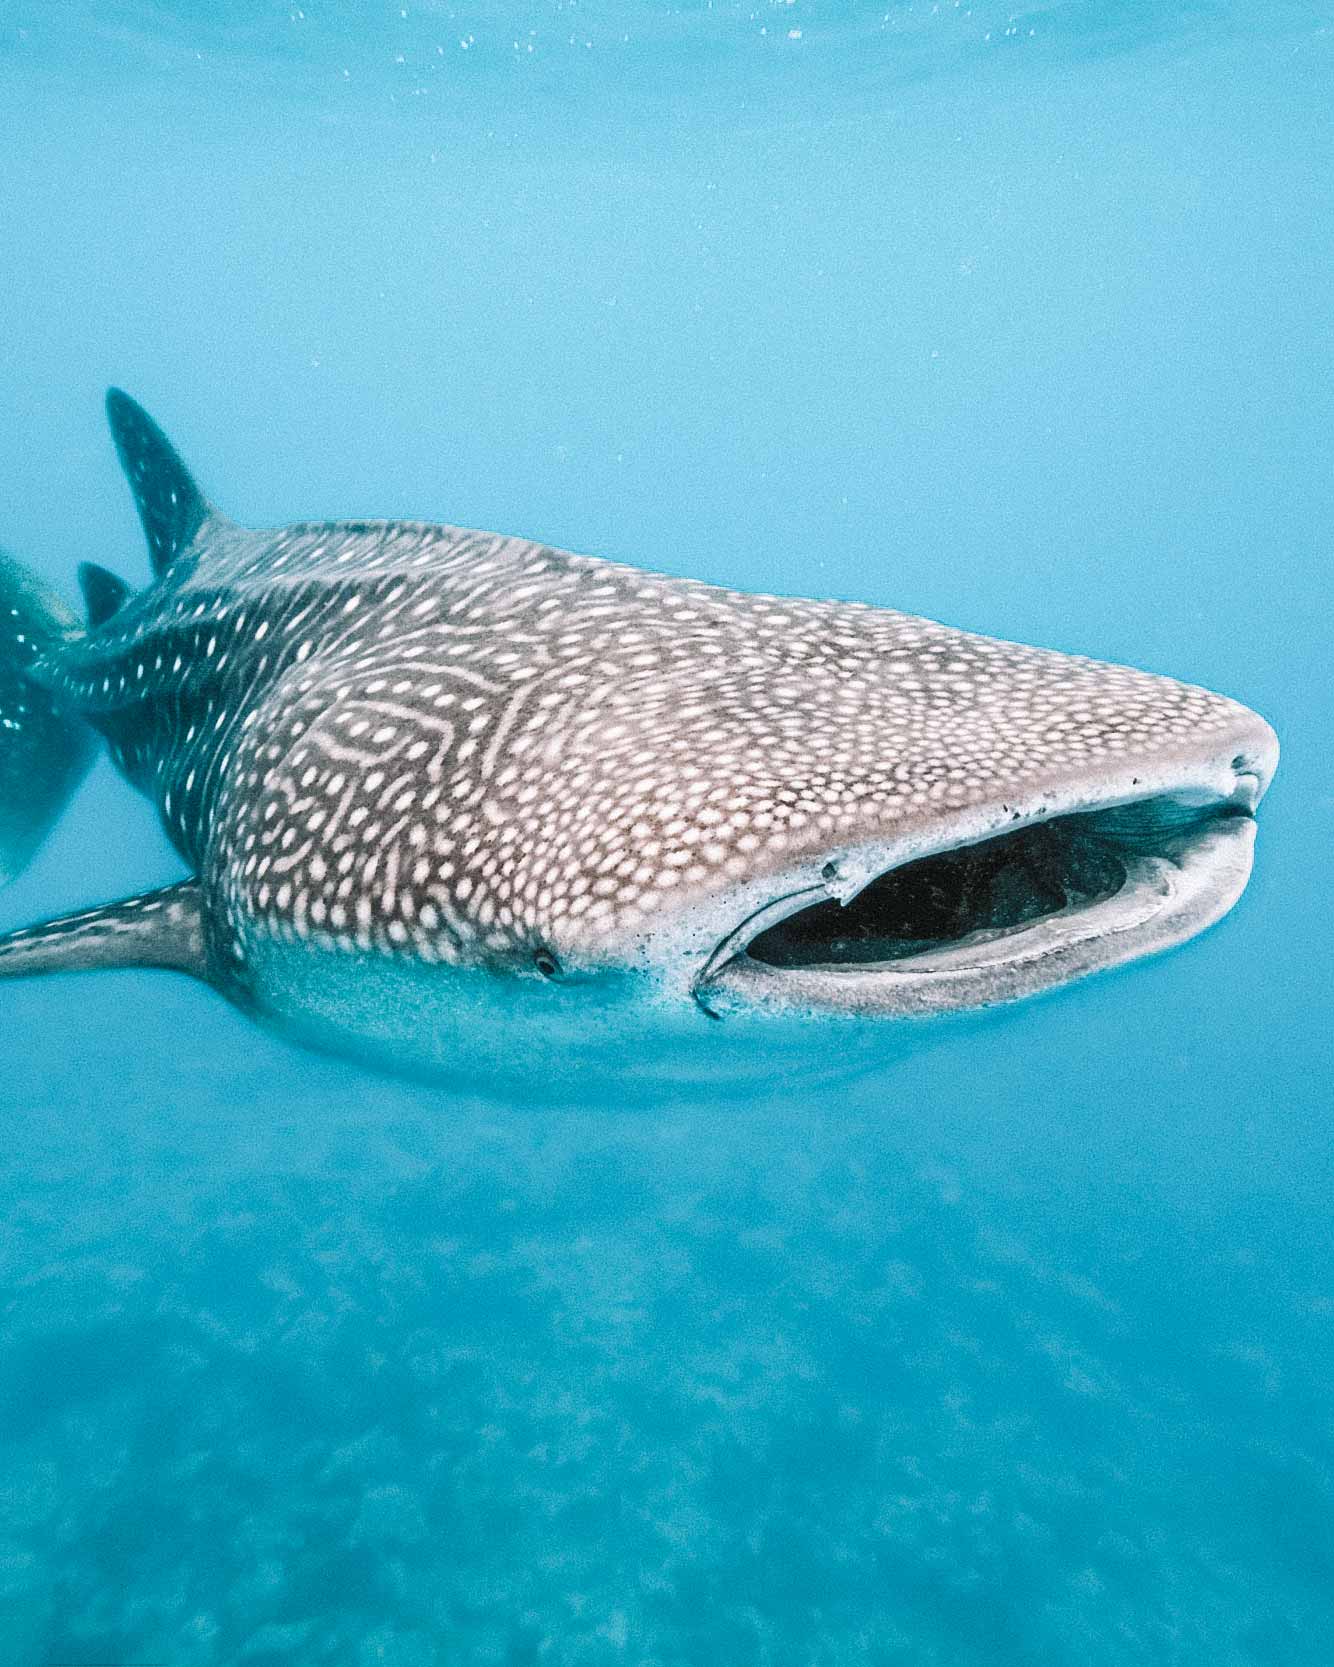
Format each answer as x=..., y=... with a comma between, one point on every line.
x=979, y=894
x=997, y=917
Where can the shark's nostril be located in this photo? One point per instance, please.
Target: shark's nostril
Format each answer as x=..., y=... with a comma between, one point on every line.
x=1241, y=764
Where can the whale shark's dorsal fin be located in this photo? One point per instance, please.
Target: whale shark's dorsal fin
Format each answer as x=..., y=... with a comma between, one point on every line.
x=170, y=505
x=104, y=594
x=159, y=929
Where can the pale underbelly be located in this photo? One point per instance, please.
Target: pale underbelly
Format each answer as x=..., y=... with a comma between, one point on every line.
x=575, y=1038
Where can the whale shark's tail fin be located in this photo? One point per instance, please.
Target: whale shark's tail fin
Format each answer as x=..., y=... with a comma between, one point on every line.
x=44, y=748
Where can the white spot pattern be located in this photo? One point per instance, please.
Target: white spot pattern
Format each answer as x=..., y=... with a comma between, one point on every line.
x=431, y=742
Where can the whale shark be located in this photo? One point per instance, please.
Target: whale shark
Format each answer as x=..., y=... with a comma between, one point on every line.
x=402, y=762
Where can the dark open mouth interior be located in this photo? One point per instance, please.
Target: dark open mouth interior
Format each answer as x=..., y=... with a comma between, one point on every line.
x=998, y=886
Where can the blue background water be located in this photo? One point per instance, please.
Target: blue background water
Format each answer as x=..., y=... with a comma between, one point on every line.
x=1016, y=1347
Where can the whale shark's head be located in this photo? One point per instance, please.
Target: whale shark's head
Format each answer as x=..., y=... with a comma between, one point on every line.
x=653, y=799
x=825, y=806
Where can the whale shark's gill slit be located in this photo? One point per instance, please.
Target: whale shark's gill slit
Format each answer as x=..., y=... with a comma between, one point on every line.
x=988, y=890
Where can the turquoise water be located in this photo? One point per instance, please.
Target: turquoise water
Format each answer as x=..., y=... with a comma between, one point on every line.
x=1010, y=1342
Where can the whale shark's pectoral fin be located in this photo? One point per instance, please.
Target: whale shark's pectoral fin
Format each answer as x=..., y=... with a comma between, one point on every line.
x=158, y=929
x=171, y=507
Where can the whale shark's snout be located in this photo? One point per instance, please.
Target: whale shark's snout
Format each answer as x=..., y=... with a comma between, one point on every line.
x=956, y=822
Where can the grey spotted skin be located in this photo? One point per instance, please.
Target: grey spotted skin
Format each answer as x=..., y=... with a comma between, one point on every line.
x=424, y=741
x=427, y=745
x=159, y=929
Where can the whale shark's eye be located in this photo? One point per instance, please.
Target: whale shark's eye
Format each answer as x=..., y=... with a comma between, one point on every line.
x=547, y=964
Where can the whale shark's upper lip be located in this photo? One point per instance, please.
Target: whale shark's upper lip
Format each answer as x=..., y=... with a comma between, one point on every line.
x=1010, y=899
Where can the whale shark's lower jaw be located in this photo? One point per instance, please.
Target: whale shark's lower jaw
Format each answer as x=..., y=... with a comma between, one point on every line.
x=1006, y=900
